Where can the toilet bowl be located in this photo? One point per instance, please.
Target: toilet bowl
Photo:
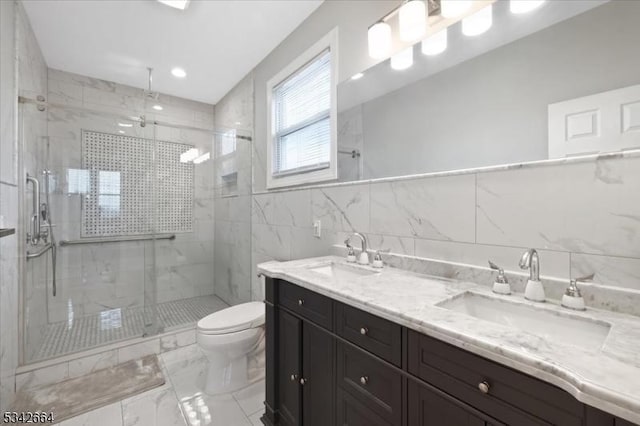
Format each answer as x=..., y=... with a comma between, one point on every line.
x=228, y=338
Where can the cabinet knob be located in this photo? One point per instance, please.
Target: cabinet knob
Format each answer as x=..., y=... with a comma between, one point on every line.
x=364, y=380
x=364, y=331
x=300, y=302
x=294, y=377
x=484, y=387
x=303, y=381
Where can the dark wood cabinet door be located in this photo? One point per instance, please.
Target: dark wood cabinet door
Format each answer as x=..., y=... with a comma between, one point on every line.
x=318, y=360
x=351, y=412
x=289, y=368
x=427, y=407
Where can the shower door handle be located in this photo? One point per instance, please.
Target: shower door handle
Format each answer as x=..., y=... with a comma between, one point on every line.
x=35, y=215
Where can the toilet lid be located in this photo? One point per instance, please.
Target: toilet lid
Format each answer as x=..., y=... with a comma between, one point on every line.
x=236, y=318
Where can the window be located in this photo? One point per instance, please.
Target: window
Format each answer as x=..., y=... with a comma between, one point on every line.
x=302, y=117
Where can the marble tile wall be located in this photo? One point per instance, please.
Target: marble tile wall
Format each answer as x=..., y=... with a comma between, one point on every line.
x=583, y=217
x=9, y=276
x=233, y=180
x=93, y=278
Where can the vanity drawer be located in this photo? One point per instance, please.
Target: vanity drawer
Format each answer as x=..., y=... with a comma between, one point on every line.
x=379, y=336
x=376, y=385
x=512, y=397
x=307, y=304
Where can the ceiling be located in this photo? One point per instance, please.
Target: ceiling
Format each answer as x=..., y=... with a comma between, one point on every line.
x=217, y=42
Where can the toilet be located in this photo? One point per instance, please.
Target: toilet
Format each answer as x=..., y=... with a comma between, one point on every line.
x=230, y=338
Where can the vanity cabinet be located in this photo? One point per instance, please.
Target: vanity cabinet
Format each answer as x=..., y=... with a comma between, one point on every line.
x=332, y=364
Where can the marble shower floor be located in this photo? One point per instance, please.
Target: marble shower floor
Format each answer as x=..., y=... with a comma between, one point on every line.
x=120, y=324
x=180, y=401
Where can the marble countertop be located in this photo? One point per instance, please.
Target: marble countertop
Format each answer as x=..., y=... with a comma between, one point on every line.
x=607, y=378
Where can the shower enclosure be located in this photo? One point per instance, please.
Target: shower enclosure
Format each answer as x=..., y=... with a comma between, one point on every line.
x=129, y=243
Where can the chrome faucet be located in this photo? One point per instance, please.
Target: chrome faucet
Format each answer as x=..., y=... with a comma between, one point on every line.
x=531, y=261
x=534, y=290
x=364, y=255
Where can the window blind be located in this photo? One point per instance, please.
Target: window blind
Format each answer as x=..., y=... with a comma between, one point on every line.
x=302, y=131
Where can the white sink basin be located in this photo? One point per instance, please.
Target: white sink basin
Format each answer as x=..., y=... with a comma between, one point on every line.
x=342, y=271
x=550, y=325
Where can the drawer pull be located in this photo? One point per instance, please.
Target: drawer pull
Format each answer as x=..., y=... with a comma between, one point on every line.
x=300, y=302
x=294, y=377
x=303, y=381
x=364, y=380
x=484, y=387
x=364, y=331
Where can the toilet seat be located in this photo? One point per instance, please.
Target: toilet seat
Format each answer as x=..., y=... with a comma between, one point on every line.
x=236, y=318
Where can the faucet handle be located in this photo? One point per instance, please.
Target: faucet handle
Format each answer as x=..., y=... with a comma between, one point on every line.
x=378, y=255
x=585, y=278
x=501, y=278
x=377, y=259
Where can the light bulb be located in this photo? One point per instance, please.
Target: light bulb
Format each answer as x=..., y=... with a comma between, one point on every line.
x=454, y=8
x=524, y=6
x=478, y=23
x=402, y=60
x=179, y=72
x=435, y=44
x=379, y=36
x=413, y=20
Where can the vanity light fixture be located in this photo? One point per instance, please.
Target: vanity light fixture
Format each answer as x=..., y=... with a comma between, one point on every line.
x=158, y=107
x=357, y=76
x=379, y=39
x=121, y=132
x=479, y=22
x=435, y=44
x=413, y=20
x=125, y=124
x=454, y=8
x=403, y=59
x=176, y=4
x=178, y=72
x=524, y=6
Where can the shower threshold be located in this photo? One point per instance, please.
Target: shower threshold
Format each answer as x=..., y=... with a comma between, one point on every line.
x=114, y=325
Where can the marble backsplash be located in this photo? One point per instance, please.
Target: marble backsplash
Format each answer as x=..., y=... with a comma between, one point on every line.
x=583, y=217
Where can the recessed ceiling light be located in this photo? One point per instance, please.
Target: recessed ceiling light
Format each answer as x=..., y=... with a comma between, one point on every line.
x=179, y=72
x=357, y=76
x=125, y=124
x=178, y=4
x=157, y=107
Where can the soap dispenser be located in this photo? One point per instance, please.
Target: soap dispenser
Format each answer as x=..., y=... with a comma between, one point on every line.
x=572, y=297
x=501, y=284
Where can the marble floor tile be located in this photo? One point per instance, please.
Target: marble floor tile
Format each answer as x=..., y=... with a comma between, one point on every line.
x=109, y=415
x=251, y=398
x=158, y=407
x=255, y=419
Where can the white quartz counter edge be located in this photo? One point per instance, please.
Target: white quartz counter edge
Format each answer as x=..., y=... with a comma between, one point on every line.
x=621, y=405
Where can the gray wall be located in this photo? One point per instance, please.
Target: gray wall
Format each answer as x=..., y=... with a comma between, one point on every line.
x=493, y=109
x=352, y=19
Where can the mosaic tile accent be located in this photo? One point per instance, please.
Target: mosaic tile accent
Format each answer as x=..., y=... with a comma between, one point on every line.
x=118, y=324
x=122, y=188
